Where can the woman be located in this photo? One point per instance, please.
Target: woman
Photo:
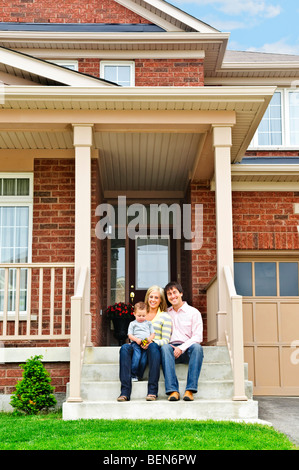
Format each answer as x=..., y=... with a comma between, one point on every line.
x=156, y=306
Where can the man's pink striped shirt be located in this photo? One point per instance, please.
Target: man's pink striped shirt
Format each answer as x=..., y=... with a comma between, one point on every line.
x=187, y=327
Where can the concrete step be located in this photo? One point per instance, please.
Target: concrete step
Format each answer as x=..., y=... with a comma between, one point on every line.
x=108, y=355
x=209, y=371
x=207, y=390
x=100, y=387
x=162, y=409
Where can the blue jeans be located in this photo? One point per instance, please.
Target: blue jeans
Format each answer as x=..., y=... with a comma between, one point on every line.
x=153, y=357
x=192, y=356
x=138, y=353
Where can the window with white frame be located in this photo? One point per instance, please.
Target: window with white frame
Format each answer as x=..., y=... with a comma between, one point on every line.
x=16, y=205
x=122, y=73
x=279, y=126
x=69, y=64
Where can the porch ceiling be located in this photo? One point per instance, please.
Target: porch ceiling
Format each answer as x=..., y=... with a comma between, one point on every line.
x=146, y=161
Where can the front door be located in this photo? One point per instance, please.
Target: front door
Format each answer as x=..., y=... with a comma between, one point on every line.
x=152, y=261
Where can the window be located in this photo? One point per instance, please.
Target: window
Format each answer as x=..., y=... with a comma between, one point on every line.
x=152, y=261
x=267, y=278
x=69, y=64
x=15, y=233
x=279, y=126
x=122, y=73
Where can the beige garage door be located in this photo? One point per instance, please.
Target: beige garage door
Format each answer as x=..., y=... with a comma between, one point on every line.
x=271, y=339
x=271, y=329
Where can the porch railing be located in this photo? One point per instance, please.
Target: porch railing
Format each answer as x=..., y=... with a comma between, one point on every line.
x=80, y=335
x=34, y=301
x=226, y=328
x=234, y=335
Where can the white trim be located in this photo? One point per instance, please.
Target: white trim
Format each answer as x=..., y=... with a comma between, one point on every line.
x=257, y=186
x=119, y=63
x=18, y=355
x=149, y=15
x=170, y=11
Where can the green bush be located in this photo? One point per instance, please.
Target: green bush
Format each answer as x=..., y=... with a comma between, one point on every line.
x=34, y=392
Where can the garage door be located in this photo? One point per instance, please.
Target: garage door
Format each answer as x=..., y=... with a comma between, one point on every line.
x=271, y=324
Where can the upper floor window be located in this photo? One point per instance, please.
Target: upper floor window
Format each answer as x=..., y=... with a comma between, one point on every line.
x=69, y=64
x=279, y=126
x=122, y=73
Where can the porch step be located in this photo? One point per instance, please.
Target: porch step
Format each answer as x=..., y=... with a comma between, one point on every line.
x=100, y=388
x=163, y=409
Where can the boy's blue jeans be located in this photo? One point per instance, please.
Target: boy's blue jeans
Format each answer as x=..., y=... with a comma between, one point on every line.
x=138, y=352
x=153, y=357
x=192, y=356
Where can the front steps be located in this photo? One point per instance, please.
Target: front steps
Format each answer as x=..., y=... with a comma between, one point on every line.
x=100, y=388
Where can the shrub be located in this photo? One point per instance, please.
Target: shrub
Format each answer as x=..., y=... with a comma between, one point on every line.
x=34, y=392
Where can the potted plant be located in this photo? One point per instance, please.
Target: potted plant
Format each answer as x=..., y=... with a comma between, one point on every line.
x=121, y=315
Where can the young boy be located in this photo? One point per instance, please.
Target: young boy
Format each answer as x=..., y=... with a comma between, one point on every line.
x=139, y=330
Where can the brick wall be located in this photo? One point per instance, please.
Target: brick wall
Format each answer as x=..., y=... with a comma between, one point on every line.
x=203, y=261
x=265, y=220
x=68, y=11
x=156, y=72
x=169, y=72
x=10, y=374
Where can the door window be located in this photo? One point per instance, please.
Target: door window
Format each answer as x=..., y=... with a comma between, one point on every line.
x=152, y=262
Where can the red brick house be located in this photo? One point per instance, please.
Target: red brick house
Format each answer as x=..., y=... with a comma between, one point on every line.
x=139, y=100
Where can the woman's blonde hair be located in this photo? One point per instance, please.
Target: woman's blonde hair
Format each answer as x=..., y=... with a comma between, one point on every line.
x=163, y=303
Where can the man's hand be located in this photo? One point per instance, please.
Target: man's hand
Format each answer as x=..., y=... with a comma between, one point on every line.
x=177, y=352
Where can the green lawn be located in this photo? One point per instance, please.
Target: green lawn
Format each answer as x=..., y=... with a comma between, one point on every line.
x=50, y=432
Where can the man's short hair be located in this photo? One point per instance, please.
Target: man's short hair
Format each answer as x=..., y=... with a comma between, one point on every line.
x=171, y=285
x=140, y=306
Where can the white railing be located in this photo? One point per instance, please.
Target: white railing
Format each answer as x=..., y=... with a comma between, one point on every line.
x=34, y=301
x=234, y=335
x=80, y=335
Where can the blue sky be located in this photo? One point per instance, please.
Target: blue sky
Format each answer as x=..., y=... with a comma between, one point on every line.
x=255, y=25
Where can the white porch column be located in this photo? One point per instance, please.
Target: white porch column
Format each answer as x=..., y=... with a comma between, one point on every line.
x=222, y=142
x=82, y=144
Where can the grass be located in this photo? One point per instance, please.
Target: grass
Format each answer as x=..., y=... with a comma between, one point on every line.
x=50, y=432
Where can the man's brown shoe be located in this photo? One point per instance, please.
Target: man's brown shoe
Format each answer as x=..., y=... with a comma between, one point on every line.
x=188, y=396
x=174, y=396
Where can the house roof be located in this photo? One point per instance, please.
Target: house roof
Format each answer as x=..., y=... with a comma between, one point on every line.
x=258, y=57
x=82, y=27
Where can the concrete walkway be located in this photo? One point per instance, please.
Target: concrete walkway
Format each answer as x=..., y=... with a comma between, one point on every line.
x=282, y=413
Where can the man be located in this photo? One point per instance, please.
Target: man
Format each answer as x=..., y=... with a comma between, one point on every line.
x=184, y=346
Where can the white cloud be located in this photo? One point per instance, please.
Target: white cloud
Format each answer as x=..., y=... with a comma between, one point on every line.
x=237, y=7
x=278, y=47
